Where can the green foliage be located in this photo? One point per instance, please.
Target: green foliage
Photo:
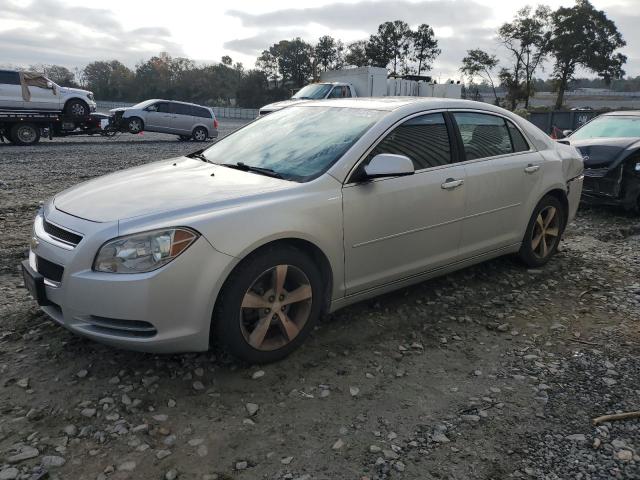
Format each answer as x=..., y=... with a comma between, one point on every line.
x=479, y=63
x=584, y=37
x=425, y=47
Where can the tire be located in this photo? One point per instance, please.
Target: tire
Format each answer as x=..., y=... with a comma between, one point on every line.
x=200, y=134
x=135, y=125
x=76, y=108
x=184, y=138
x=250, y=322
x=544, y=232
x=25, y=134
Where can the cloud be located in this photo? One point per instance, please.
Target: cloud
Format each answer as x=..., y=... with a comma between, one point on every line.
x=369, y=14
x=75, y=35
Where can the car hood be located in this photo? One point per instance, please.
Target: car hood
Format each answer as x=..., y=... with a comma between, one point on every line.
x=163, y=186
x=74, y=91
x=279, y=105
x=604, y=152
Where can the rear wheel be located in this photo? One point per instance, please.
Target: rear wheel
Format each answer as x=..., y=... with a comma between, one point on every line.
x=269, y=304
x=25, y=134
x=135, y=125
x=543, y=233
x=76, y=108
x=200, y=134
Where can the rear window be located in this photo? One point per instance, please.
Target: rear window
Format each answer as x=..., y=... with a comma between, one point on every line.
x=11, y=78
x=201, y=112
x=483, y=135
x=519, y=143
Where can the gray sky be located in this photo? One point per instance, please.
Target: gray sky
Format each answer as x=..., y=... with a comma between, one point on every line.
x=75, y=32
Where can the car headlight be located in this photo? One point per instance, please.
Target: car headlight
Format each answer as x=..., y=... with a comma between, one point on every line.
x=143, y=252
x=90, y=96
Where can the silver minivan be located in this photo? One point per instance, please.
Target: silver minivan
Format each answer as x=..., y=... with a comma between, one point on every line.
x=187, y=120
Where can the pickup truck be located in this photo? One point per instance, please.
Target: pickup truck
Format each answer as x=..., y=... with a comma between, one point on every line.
x=367, y=82
x=35, y=92
x=315, y=91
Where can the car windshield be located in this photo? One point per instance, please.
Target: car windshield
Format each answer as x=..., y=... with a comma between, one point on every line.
x=609, y=126
x=296, y=143
x=314, y=91
x=142, y=104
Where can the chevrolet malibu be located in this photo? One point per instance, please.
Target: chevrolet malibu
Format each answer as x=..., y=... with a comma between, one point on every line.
x=301, y=212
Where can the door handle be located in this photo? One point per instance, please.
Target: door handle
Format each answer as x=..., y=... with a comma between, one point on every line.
x=532, y=168
x=451, y=183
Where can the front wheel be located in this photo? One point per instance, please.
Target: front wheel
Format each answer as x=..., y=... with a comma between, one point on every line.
x=269, y=304
x=135, y=125
x=543, y=233
x=76, y=109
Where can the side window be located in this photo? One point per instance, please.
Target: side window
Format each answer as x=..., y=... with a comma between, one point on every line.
x=336, y=92
x=180, y=109
x=10, y=78
x=347, y=92
x=423, y=139
x=518, y=141
x=201, y=112
x=162, y=107
x=483, y=135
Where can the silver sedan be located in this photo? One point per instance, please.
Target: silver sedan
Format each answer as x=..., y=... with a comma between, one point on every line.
x=298, y=213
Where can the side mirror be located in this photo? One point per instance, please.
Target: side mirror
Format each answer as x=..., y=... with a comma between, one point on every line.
x=566, y=133
x=152, y=108
x=50, y=84
x=389, y=165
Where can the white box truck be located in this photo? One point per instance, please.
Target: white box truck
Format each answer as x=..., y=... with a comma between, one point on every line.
x=366, y=82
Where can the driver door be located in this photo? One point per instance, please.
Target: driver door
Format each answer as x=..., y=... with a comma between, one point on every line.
x=158, y=117
x=44, y=98
x=397, y=227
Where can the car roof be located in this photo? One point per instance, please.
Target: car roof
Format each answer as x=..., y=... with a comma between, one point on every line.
x=632, y=113
x=176, y=101
x=394, y=103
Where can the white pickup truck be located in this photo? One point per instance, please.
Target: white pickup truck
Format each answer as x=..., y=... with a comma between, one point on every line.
x=366, y=82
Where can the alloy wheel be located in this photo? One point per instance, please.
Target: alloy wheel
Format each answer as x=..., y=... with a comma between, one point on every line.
x=276, y=307
x=200, y=135
x=78, y=110
x=545, y=232
x=134, y=126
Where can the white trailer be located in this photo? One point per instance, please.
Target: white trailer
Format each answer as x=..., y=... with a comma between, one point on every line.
x=367, y=82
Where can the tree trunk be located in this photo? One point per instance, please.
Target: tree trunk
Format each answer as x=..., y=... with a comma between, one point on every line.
x=419, y=66
x=561, y=89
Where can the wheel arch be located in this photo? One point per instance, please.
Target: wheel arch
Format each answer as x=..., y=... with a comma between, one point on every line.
x=71, y=99
x=201, y=125
x=561, y=195
x=314, y=251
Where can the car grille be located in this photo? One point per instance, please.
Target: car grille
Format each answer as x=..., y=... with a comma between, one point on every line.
x=49, y=270
x=596, y=172
x=121, y=328
x=61, y=234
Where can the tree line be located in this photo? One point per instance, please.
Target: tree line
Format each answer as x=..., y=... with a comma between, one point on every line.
x=570, y=39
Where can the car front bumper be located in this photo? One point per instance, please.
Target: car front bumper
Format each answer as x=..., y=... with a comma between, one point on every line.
x=165, y=311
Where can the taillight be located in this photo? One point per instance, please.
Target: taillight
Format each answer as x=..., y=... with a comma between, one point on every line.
x=215, y=123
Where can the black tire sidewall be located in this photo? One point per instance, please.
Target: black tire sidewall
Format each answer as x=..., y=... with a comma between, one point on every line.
x=526, y=251
x=137, y=119
x=16, y=139
x=70, y=104
x=226, y=328
x=206, y=134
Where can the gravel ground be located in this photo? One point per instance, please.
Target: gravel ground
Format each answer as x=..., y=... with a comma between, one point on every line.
x=493, y=372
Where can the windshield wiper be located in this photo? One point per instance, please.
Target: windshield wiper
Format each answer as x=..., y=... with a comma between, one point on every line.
x=199, y=155
x=249, y=168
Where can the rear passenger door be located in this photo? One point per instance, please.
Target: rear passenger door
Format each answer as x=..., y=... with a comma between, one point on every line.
x=503, y=173
x=10, y=90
